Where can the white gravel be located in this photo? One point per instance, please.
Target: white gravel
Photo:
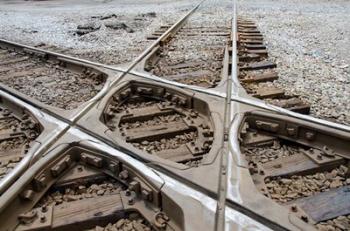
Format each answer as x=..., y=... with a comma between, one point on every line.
x=310, y=42
x=54, y=23
x=212, y=13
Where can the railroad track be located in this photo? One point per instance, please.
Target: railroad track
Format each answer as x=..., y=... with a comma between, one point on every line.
x=25, y=133
x=160, y=122
x=82, y=189
x=171, y=128
x=194, y=54
x=17, y=133
x=257, y=72
x=203, y=67
x=86, y=177
x=301, y=168
x=183, y=120
x=48, y=80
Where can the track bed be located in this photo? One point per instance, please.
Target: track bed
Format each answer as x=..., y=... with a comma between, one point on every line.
x=48, y=81
x=194, y=54
x=161, y=122
x=202, y=65
x=17, y=132
x=305, y=171
x=83, y=190
x=257, y=72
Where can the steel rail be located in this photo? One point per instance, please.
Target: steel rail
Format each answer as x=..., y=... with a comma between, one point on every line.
x=248, y=101
x=234, y=94
x=224, y=181
x=229, y=95
x=118, y=69
x=136, y=61
x=56, y=151
x=36, y=150
x=68, y=57
x=234, y=70
x=123, y=71
x=27, y=161
x=233, y=199
x=269, y=107
x=234, y=97
x=222, y=187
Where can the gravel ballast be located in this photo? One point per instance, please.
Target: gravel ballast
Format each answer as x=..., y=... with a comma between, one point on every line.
x=109, y=32
x=309, y=40
x=195, y=54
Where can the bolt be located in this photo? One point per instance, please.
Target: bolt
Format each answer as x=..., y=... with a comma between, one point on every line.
x=304, y=218
x=32, y=135
x=127, y=192
x=205, y=146
x=28, y=194
x=42, y=218
x=124, y=175
x=161, y=220
x=44, y=208
x=130, y=201
x=310, y=135
x=294, y=208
